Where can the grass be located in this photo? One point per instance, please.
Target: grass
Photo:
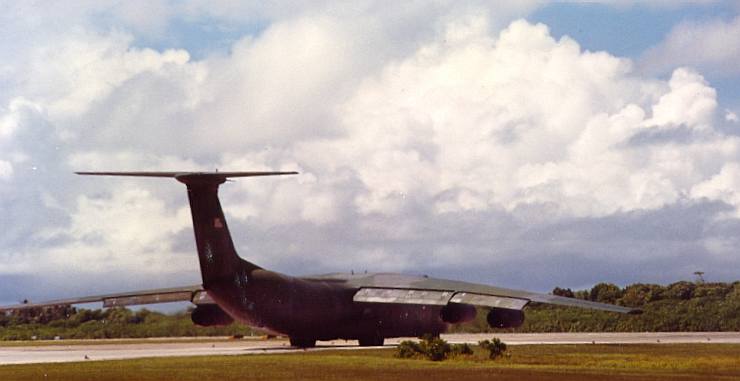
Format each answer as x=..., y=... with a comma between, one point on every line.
x=536, y=362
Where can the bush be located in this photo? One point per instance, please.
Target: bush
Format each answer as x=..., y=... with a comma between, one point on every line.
x=432, y=348
x=408, y=349
x=681, y=290
x=605, y=293
x=461, y=350
x=495, y=348
x=564, y=292
x=640, y=294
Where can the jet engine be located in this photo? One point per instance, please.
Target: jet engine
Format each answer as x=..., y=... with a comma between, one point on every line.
x=505, y=318
x=208, y=315
x=455, y=313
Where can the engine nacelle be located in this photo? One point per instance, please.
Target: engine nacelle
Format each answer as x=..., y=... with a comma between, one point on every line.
x=505, y=318
x=209, y=315
x=455, y=313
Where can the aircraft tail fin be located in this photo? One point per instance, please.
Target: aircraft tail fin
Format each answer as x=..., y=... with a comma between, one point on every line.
x=216, y=253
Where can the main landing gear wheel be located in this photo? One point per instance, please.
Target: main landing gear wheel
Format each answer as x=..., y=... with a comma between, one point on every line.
x=371, y=341
x=300, y=342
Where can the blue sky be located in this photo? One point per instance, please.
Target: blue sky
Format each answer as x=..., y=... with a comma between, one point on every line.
x=629, y=31
x=624, y=31
x=526, y=144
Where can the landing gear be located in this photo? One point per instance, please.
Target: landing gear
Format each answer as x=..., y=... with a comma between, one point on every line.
x=300, y=342
x=371, y=341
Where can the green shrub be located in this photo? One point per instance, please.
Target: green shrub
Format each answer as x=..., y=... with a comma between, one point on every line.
x=495, y=348
x=408, y=349
x=461, y=350
x=432, y=348
x=605, y=293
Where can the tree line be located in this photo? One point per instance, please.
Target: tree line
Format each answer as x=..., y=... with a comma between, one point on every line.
x=678, y=307
x=70, y=323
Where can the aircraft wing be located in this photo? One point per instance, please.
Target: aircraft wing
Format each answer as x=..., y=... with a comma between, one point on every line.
x=194, y=294
x=393, y=288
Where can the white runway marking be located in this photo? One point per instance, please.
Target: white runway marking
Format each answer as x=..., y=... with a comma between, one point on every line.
x=124, y=350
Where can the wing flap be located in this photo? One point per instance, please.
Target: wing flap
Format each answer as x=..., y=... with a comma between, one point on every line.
x=402, y=296
x=489, y=301
x=148, y=299
x=435, y=297
x=475, y=294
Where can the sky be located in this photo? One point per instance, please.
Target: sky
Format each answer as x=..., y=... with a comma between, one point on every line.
x=523, y=144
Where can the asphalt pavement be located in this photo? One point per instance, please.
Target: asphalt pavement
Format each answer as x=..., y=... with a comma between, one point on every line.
x=59, y=352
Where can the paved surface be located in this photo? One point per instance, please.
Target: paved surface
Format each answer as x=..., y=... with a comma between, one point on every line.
x=127, y=350
x=604, y=338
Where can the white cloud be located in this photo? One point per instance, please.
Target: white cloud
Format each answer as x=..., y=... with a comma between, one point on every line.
x=690, y=102
x=6, y=170
x=11, y=117
x=468, y=122
x=522, y=119
x=129, y=230
x=112, y=219
x=74, y=73
x=502, y=146
x=731, y=116
x=266, y=92
x=128, y=161
x=724, y=186
x=712, y=45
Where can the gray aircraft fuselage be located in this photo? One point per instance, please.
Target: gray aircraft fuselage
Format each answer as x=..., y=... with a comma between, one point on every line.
x=310, y=309
x=304, y=309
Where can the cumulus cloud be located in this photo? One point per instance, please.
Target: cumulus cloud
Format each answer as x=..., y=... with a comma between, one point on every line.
x=518, y=123
x=483, y=123
x=712, y=45
x=470, y=147
x=723, y=186
x=690, y=102
x=76, y=72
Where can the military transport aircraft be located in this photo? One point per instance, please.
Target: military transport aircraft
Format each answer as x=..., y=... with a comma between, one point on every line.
x=363, y=307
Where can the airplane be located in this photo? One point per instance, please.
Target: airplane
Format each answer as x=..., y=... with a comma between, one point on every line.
x=367, y=307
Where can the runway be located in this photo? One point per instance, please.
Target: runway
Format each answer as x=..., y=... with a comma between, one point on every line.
x=125, y=349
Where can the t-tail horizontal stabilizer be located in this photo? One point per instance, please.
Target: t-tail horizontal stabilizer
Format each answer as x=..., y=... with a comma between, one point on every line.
x=217, y=177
